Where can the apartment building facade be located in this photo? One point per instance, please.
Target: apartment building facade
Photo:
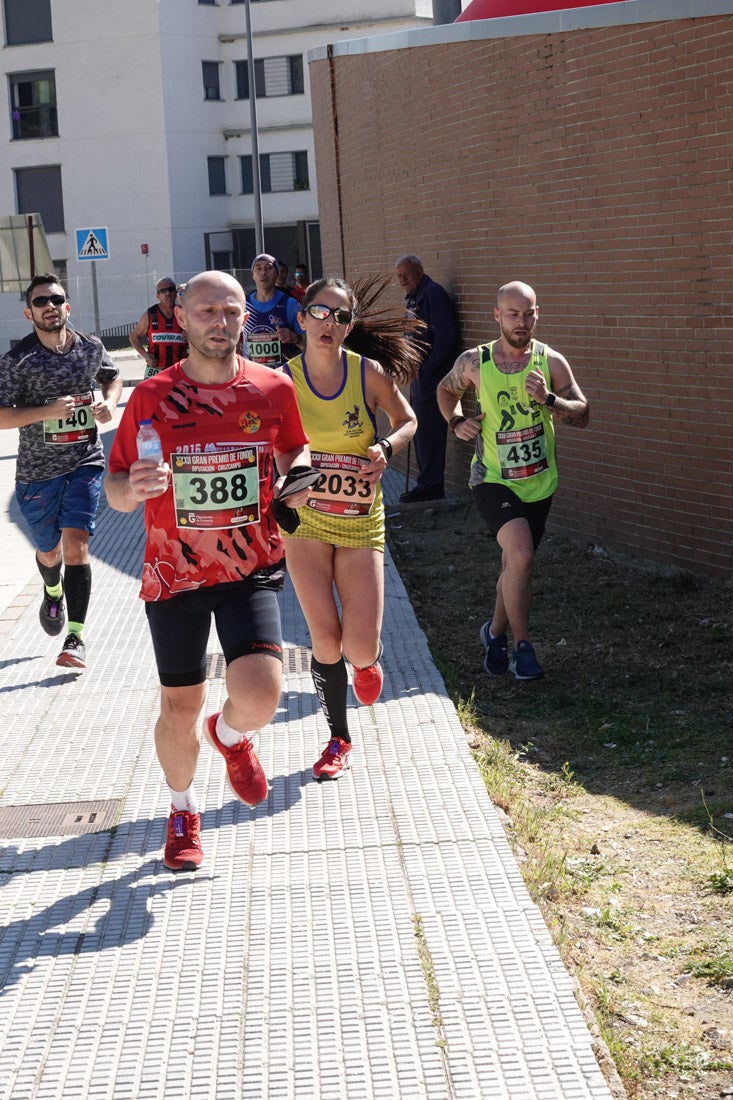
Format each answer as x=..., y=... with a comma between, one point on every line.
x=137, y=120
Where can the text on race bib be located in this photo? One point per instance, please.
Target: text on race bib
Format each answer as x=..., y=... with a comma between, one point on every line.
x=339, y=490
x=522, y=453
x=78, y=427
x=216, y=490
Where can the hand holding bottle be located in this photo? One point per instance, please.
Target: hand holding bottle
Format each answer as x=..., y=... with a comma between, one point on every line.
x=150, y=474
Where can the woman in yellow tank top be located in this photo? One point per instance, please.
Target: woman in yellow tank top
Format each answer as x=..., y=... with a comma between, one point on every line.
x=338, y=549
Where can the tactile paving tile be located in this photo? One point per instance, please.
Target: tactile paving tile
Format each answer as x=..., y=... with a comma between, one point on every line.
x=298, y=962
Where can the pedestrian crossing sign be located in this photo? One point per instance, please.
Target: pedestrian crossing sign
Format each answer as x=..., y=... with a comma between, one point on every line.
x=91, y=244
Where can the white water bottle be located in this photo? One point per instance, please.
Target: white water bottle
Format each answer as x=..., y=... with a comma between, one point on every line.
x=148, y=442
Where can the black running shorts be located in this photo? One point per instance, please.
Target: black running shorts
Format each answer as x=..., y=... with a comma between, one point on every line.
x=247, y=621
x=497, y=504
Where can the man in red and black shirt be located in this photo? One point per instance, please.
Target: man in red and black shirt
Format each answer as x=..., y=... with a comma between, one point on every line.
x=159, y=329
x=213, y=546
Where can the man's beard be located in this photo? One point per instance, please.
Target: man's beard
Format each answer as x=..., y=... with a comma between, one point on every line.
x=55, y=326
x=218, y=351
x=516, y=341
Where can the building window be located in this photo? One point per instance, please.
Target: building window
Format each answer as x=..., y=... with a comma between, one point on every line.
x=210, y=71
x=33, y=104
x=38, y=190
x=245, y=164
x=212, y=2
x=60, y=267
x=221, y=261
x=242, y=76
x=217, y=176
x=27, y=21
x=278, y=172
x=273, y=76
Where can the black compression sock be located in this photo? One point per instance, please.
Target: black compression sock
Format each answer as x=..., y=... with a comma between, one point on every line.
x=330, y=682
x=51, y=574
x=78, y=588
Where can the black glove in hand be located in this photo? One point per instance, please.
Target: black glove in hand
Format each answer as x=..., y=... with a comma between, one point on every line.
x=285, y=517
x=296, y=479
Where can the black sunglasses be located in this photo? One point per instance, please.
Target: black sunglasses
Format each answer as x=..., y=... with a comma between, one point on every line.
x=44, y=299
x=322, y=313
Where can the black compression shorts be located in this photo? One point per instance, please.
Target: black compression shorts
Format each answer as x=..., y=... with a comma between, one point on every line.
x=497, y=504
x=247, y=621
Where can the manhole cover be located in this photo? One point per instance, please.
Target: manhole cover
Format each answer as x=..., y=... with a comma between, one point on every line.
x=58, y=818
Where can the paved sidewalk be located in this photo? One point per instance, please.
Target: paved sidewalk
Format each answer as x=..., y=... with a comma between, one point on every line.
x=369, y=939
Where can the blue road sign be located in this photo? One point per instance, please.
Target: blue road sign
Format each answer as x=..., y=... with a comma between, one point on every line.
x=91, y=244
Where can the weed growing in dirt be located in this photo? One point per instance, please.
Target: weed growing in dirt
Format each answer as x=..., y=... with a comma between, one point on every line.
x=616, y=775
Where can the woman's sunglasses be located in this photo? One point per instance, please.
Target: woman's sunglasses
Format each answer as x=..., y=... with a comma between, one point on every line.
x=322, y=313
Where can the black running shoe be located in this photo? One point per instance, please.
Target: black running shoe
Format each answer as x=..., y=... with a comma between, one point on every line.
x=52, y=614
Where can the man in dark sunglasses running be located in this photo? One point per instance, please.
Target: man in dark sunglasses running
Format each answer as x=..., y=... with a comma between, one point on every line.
x=47, y=391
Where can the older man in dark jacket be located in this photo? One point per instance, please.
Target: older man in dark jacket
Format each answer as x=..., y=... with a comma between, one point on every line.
x=430, y=302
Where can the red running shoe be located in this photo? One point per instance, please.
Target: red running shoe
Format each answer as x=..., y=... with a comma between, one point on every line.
x=183, y=851
x=74, y=653
x=334, y=761
x=368, y=684
x=244, y=771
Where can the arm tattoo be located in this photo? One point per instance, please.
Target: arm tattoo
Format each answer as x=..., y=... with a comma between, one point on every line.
x=578, y=414
x=458, y=379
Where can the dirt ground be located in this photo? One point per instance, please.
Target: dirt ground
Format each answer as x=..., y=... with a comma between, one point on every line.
x=615, y=773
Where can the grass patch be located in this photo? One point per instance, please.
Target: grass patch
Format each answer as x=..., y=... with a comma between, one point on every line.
x=615, y=773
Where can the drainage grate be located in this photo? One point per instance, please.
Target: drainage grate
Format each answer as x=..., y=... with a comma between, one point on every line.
x=58, y=818
x=295, y=659
x=216, y=668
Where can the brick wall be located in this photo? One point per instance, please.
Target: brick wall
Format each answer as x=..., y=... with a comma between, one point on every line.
x=596, y=166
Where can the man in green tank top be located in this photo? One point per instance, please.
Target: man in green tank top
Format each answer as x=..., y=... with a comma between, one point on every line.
x=522, y=388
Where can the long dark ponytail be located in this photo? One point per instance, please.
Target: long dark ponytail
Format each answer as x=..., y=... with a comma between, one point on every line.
x=379, y=332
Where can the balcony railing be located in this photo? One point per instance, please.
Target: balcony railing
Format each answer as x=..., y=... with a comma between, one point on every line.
x=35, y=122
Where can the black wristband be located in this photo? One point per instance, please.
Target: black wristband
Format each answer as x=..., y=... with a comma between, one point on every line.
x=454, y=422
x=386, y=447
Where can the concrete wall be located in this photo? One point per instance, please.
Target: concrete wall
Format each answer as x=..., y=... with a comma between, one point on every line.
x=595, y=164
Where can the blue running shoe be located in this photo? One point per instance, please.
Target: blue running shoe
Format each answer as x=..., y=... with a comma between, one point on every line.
x=524, y=663
x=496, y=660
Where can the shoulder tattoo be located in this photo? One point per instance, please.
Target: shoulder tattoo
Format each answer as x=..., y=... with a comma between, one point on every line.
x=460, y=377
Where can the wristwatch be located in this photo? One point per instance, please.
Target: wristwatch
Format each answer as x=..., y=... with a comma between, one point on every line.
x=551, y=399
x=386, y=447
